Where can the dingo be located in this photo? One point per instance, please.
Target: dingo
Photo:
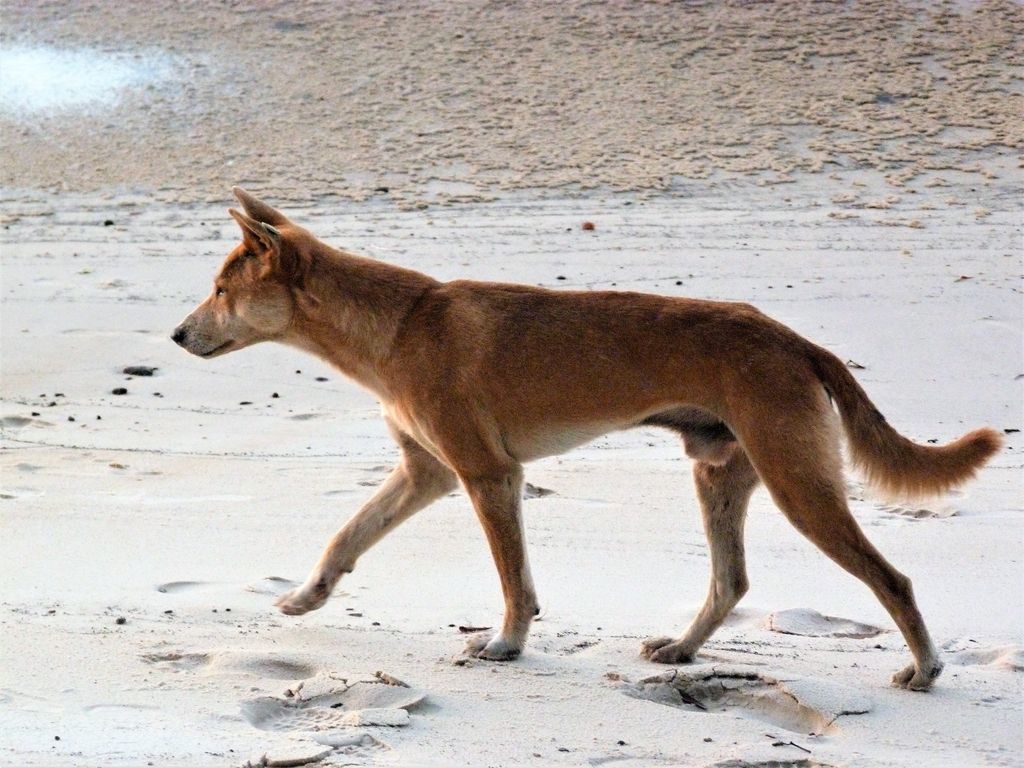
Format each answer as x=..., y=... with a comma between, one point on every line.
x=476, y=379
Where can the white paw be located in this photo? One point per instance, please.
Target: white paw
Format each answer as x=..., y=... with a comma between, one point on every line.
x=497, y=648
x=665, y=650
x=303, y=599
x=916, y=680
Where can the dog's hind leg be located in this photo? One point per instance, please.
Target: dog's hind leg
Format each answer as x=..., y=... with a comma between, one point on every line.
x=497, y=499
x=724, y=491
x=799, y=462
x=418, y=480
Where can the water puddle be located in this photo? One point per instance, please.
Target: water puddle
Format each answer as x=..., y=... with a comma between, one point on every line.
x=40, y=79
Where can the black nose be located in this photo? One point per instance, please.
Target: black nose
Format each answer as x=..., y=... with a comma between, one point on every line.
x=178, y=337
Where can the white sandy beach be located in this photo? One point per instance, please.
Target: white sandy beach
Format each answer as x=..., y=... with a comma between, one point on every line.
x=144, y=535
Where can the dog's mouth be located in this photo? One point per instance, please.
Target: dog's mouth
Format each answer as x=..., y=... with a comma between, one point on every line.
x=216, y=350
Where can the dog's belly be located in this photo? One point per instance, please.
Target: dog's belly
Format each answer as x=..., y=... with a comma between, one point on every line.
x=523, y=445
x=554, y=439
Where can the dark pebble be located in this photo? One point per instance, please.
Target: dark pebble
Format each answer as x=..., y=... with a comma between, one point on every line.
x=108, y=223
x=707, y=739
x=385, y=190
x=1011, y=430
x=35, y=413
x=99, y=418
x=119, y=391
x=561, y=277
x=275, y=395
x=246, y=402
x=168, y=611
x=375, y=623
x=321, y=378
x=56, y=738
x=140, y=370
x=121, y=620
x=588, y=226
x=621, y=743
x=679, y=282
x=71, y=418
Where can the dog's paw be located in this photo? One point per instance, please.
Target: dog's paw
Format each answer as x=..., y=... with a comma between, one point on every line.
x=496, y=648
x=302, y=600
x=913, y=679
x=665, y=650
x=651, y=644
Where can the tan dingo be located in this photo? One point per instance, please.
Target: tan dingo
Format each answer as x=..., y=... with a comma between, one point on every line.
x=476, y=379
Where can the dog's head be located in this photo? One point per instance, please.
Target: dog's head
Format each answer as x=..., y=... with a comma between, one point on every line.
x=251, y=300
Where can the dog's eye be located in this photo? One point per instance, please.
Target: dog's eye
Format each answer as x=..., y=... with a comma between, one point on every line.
x=220, y=291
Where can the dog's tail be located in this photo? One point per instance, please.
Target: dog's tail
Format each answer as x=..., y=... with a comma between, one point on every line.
x=891, y=463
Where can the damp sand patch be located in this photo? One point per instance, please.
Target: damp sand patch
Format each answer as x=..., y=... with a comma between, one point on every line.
x=40, y=80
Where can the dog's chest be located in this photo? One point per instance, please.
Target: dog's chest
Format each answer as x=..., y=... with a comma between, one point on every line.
x=404, y=422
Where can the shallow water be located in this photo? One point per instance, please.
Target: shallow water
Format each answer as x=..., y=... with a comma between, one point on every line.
x=40, y=79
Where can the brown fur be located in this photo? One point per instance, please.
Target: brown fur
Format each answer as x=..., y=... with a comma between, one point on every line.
x=475, y=379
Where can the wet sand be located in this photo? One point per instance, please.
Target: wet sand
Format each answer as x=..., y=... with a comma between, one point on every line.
x=437, y=102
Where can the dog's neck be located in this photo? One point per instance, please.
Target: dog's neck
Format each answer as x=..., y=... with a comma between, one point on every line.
x=361, y=301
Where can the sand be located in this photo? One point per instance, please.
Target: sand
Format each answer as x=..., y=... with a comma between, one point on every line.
x=146, y=534
x=442, y=102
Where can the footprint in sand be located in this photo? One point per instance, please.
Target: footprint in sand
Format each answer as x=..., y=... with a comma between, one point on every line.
x=176, y=587
x=20, y=492
x=325, y=703
x=938, y=508
x=577, y=647
x=796, y=762
x=177, y=662
x=268, y=585
x=15, y=422
x=271, y=585
x=1009, y=657
x=800, y=706
x=359, y=746
x=306, y=416
x=273, y=666
x=113, y=705
x=339, y=492
x=808, y=623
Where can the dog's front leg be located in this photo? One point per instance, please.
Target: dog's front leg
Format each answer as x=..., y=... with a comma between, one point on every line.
x=417, y=481
x=497, y=498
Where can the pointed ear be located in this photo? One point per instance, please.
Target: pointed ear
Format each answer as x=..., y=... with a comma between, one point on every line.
x=258, y=209
x=257, y=233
